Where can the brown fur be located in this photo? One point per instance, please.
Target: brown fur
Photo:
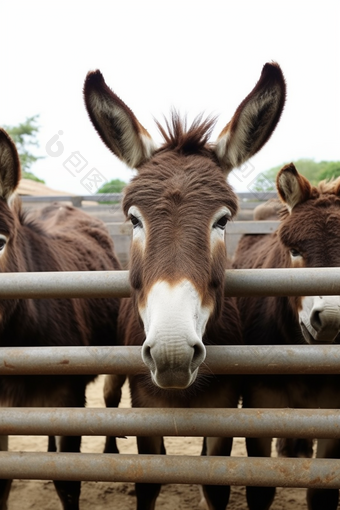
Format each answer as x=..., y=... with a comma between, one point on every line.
x=313, y=229
x=269, y=211
x=54, y=238
x=174, y=188
x=178, y=191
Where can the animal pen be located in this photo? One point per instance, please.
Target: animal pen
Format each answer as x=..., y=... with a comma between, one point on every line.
x=281, y=472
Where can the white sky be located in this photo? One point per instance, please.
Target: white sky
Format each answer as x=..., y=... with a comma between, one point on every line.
x=192, y=54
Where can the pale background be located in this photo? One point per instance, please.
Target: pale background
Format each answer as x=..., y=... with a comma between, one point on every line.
x=191, y=54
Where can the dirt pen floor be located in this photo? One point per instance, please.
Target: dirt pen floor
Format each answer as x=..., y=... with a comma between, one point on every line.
x=41, y=495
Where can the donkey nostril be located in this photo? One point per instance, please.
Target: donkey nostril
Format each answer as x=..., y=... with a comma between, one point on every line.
x=147, y=357
x=315, y=320
x=198, y=356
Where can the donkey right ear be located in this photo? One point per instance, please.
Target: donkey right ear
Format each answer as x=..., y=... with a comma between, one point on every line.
x=115, y=122
x=10, y=172
x=254, y=120
x=293, y=188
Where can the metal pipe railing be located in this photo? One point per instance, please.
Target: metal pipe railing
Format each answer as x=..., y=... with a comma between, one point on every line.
x=238, y=282
x=122, y=360
x=220, y=359
x=71, y=284
x=104, y=197
x=279, y=472
x=307, y=423
x=283, y=282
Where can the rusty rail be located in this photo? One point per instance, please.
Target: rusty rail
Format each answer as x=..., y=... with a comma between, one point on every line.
x=238, y=282
x=317, y=473
x=228, y=359
x=309, y=423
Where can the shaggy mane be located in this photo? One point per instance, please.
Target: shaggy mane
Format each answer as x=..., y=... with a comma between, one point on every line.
x=188, y=141
x=331, y=186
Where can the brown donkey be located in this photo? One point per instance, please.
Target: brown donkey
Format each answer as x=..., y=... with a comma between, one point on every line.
x=179, y=204
x=55, y=238
x=308, y=236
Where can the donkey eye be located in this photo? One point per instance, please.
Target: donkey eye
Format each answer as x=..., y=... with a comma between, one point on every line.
x=221, y=222
x=2, y=243
x=295, y=253
x=135, y=221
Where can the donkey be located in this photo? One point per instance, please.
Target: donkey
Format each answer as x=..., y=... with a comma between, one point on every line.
x=179, y=204
x=308, y=236
x=54, y=238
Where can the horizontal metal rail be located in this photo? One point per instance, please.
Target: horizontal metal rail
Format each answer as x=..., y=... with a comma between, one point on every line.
x=283, y=282
x=99, y=197
x=252, y=227
x=227, y=359
x=258, y=195
x=308, y=423
x=239, y=282
x=122, y=360
x=279, y=472
x=75, y=199
x=236, y=228
x=72, y=284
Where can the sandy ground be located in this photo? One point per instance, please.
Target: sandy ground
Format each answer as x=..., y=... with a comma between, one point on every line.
x=120, y=496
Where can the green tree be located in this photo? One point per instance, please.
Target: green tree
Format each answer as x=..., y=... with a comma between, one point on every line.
x=114, y=186
x=24, y=136
x=265, y=181
x=331, y=170
x=314, y=172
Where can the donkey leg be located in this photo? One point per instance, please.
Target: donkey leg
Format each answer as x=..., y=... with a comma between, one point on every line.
x=112, y=396
x=217, y=496
x=325, y=499
x=262, y=392
x=68, y=491
x=5, y=485
x=291, y=447
x=147, y=493
x=259, y=498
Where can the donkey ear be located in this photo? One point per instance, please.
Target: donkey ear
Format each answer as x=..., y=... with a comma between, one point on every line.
x=254, y=120
x=10, y=172
x=115, y=122
x=292, y=187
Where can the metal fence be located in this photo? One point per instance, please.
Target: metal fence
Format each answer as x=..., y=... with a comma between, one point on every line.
x=107, y=207
x=177, y=422
x=77, y=200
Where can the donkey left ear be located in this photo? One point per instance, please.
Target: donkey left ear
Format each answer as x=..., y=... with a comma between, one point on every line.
x=254, y=120
x=10, y=172
x=292, y=187
x=115, y=122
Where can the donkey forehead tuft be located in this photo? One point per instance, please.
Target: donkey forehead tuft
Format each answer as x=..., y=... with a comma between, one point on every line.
x=187, y=140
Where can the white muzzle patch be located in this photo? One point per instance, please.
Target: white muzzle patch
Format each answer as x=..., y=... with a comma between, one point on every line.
x=174, y=322
x=320, y=319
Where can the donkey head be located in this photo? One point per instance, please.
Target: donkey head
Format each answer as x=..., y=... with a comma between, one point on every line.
x=10, y=174
x=11, y=259
x=310, y=234
x=179, y=204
